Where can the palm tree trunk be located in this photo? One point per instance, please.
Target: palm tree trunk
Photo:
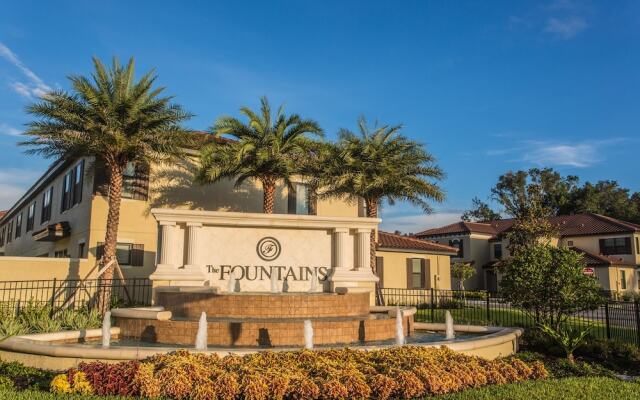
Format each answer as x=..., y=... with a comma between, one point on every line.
x=372, y=212
x=269, y=188
x=111, y=236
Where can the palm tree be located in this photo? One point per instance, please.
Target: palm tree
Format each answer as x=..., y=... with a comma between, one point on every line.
x=115, y=119
x=265, y=149
x=381, y=164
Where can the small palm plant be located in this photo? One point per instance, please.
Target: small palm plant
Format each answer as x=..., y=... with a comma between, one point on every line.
x=568, y=337
x=381, y=164
x=267, y=148
x=117, y=120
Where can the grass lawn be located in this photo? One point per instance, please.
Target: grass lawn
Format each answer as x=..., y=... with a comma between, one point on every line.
x=512, y=317
x=565, y=389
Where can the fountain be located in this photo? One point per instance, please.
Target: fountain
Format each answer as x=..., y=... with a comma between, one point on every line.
x=274, y=281
x=201, y=337
x=314, y=281
x=399, y=327
x=449, y=333
x=231, y=286
x=106, y=330
x=308, y=334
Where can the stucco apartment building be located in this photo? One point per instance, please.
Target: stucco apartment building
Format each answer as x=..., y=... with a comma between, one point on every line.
x=611, y=248
x=57, y=227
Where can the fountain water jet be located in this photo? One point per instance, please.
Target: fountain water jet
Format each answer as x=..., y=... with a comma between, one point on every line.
x=232, y=282
x=314, y=281
x=274, y=281
x=106, y=330
x=399, y=327
x=201, y=337
x=448, y=320
x=308, y=334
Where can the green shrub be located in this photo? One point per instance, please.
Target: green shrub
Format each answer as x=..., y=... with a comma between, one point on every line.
x=617, y=356
x=25, y=377
x=6, y=383
x=83, y=318
x=11, y=326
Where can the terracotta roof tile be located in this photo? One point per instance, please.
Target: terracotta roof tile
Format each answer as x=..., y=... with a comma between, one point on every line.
x=569, y=225
x=592, y=259
x=393, y=241
x=2, y=213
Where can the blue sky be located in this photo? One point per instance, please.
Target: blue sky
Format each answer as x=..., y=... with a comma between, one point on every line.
x=487, y=86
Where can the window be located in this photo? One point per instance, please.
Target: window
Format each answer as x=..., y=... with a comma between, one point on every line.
x=298, y=200
x=45, y=214
x=81, y=248
x=497, y=250
x=417, y=273
x=457, y=243
x=78, y=174
x=619, y=245
x=637, y=245
x=61, y=253
x=135, y=182
x=72, y=187
x=31, y=216
x=2, y=233
x=130, y=254
x=570, y=243
x=10, y=232
x=380, y=271
x=18, y=225
x=623, y=280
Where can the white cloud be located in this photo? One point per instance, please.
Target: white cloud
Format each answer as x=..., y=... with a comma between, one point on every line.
x=13, y=184
x=9, y=130
x=34, y=86
x=418, y=222
x=565, y=28
x=551, y=153
x=578, y=155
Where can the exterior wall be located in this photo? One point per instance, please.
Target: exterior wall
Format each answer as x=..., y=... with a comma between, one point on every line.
x=395, y=269
x=615, y=279
x=592, y=245
x=36, y=268
x=476, y=251
x=77, y=217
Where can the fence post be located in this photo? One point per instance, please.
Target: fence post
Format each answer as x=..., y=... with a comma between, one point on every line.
x=433, y=305
x=606, y=319
x=488, y=308
x=53, y=296
x=637, y=312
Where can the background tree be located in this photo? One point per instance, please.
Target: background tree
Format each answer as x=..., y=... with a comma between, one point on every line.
x=462, y=272
x=115, y=119
x=607, y=198
x=381, y=164
x=525, y=198
x=266, y=149
x=480, y=212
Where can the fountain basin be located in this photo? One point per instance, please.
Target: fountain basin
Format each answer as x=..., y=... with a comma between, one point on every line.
x=63, y=350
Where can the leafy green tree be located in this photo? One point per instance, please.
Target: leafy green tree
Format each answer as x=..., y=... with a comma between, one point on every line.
x=480, y=212
x=117, y=120
x=380, y=164
x=548, y=283
x=267, y=148
x=462, y=272
x=606, y=198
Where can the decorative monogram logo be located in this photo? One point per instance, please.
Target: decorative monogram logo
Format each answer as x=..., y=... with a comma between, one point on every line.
x=268, y=248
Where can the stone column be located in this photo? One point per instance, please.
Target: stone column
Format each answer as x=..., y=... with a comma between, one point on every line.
x=193, y=228
x=169, y=274
x=363, y=249
x=166, y=248
x=342, y=251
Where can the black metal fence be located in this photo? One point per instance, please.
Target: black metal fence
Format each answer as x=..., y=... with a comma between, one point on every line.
x=614, y=320
x=75, y=294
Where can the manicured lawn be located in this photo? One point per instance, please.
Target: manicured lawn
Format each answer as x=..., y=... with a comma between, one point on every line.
x=512, y=317
x=565, y=389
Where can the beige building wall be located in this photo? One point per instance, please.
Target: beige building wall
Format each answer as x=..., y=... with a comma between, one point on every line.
x=78, y=218
x=476, y=250
x=592, y=245
x=395, y=269
x=36, y=268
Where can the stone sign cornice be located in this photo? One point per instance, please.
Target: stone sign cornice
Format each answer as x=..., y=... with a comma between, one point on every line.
x=225, y=218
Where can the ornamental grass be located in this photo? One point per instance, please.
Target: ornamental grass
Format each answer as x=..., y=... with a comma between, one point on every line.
x=402, y=372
